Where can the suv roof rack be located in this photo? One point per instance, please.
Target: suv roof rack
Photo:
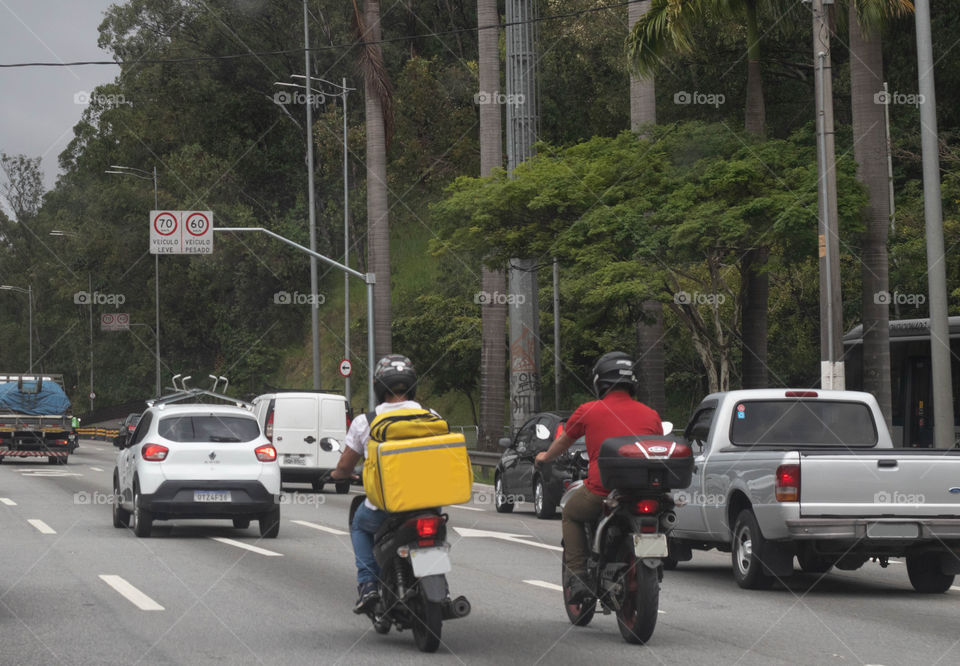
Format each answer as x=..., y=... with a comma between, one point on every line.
x=184, y=392
x=304, y=390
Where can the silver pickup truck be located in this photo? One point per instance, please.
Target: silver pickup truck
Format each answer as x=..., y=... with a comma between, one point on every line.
x=812, y=474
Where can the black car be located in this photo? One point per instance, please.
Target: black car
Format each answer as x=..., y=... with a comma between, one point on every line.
x=517, y=479
x=126, y=430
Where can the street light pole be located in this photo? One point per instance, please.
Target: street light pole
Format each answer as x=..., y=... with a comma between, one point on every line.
x=29, y=292
x=146, y=175
x=314, y=305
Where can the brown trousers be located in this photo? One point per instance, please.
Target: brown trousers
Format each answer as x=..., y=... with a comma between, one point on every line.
x=584, y=506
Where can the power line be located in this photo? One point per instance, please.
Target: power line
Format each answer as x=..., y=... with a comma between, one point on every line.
x=336, y=47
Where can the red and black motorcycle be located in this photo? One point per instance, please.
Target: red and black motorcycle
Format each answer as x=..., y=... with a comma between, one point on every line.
x=628, y=542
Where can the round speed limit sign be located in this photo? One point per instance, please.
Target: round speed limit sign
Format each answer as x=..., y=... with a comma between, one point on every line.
x=346, y=367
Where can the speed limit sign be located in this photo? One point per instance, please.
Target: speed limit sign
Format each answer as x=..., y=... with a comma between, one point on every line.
x=346, y=367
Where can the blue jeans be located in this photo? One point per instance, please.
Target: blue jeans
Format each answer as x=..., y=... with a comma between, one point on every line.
x=366, y=522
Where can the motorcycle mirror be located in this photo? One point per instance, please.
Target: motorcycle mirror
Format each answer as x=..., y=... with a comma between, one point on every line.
x=667, y=427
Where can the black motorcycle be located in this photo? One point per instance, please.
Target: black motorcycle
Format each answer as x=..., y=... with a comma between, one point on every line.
x=628, y=542
x=413, y=555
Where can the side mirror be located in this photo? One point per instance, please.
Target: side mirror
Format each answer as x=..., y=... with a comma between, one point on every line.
x=330, y=444
x=118, y=441
x=504, y=442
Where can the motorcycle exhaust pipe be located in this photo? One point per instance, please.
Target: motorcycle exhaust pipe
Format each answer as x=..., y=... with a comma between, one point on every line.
x=668, y=520
x=456, y=608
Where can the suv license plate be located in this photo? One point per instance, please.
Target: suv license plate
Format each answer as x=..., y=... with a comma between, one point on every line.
x=650, y=545
x=297, y=459
x=429, y=561
x=211, y=496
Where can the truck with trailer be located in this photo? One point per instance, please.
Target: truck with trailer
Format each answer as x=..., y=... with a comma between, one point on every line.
x=35, y=417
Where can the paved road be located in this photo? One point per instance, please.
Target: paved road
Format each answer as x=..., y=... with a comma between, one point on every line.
x=74, y=590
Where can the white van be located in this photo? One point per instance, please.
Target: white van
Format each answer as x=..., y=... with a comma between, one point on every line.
x=308, y=430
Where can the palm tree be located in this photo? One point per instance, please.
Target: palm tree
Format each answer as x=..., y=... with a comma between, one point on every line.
x=667, y=27
x=650, y=361
x=493, y=352
x=379, y=125
x=870, y=151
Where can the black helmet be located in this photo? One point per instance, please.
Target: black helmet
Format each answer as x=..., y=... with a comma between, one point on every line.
x=394, y=374
x=614, y=369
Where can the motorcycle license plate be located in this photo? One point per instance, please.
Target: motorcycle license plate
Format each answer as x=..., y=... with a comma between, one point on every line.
x=650, y=545
x=429, y=561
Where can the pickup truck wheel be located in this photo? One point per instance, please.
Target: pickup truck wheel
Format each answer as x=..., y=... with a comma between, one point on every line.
x=500, y=502
x=747, y=553
x=925, y=574
x=541, y=505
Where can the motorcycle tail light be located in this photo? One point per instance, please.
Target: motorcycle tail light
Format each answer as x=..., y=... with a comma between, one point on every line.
x=646, y=507
x=648, y=528
x=428, y=528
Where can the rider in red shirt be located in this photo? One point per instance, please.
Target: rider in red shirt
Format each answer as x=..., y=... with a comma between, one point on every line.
x=616, y=413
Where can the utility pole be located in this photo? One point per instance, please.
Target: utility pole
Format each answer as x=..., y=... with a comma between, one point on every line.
x=314, y=288
x=522, y=125
x=831, y=339
x=943, y=433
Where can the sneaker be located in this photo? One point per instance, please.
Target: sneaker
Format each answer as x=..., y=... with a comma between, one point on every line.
x=369, y=595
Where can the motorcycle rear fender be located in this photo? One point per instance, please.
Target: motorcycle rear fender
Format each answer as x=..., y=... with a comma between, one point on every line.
x=434, y=587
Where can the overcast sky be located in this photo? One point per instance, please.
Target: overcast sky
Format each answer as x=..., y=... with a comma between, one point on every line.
x=37, y=108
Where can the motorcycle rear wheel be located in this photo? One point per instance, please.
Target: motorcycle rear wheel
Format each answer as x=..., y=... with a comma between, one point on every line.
x=637, y=616
x=427, y=624
x=581, y=613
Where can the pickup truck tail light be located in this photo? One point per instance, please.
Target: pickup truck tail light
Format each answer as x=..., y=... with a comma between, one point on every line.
x=155, y=452
x=788, y=483
x=266, y=453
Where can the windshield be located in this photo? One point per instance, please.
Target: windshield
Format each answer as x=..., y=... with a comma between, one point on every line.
x=802, y=422
x=209, y=428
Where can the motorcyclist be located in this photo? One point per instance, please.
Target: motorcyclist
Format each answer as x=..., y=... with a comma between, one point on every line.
x=394, y=385
x=616, y=412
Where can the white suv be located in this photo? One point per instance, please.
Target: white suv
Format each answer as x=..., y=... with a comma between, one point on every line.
x=197, y=461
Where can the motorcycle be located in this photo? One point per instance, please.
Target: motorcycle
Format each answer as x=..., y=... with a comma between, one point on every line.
x=628, y=542
x=413, y=555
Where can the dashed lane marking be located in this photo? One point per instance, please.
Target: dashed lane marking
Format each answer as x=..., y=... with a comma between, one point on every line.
x=41, y=526
x=464, y=508
x=7, y=501
x=246, y=546
x=322, y=528
x=97, y=469
x=543, y=583
x=131, y=593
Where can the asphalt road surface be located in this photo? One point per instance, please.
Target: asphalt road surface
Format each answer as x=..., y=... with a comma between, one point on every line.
x=75, y=590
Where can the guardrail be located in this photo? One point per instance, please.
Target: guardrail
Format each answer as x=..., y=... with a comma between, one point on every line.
x=97, y=433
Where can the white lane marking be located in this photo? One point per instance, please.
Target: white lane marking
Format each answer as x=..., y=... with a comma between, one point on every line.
x=245, y=546
x=8, y=501
x=41, y=526
x=543, y=583
x=954, y=587
x=130, y=593
x=44, y=472
x=96, y=469
x=322, y=528
x=464, y=508
x=515, y=538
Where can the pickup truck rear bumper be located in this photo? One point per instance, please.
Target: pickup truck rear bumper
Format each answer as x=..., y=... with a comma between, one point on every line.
x=874, y=528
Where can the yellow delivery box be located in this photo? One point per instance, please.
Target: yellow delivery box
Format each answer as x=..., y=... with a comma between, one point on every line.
x=415, y=462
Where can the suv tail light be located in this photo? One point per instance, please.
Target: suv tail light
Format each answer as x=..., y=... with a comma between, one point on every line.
x=788, y=483
x=155, y=452
x=266, y=453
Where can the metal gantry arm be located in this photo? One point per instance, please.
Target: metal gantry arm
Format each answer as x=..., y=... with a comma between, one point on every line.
x=369, y=278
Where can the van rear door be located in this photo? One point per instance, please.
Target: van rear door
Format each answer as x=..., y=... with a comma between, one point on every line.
x=333, y=423
x=295, y=430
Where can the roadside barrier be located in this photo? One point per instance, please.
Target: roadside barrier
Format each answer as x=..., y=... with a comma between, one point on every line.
x=101, y=434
